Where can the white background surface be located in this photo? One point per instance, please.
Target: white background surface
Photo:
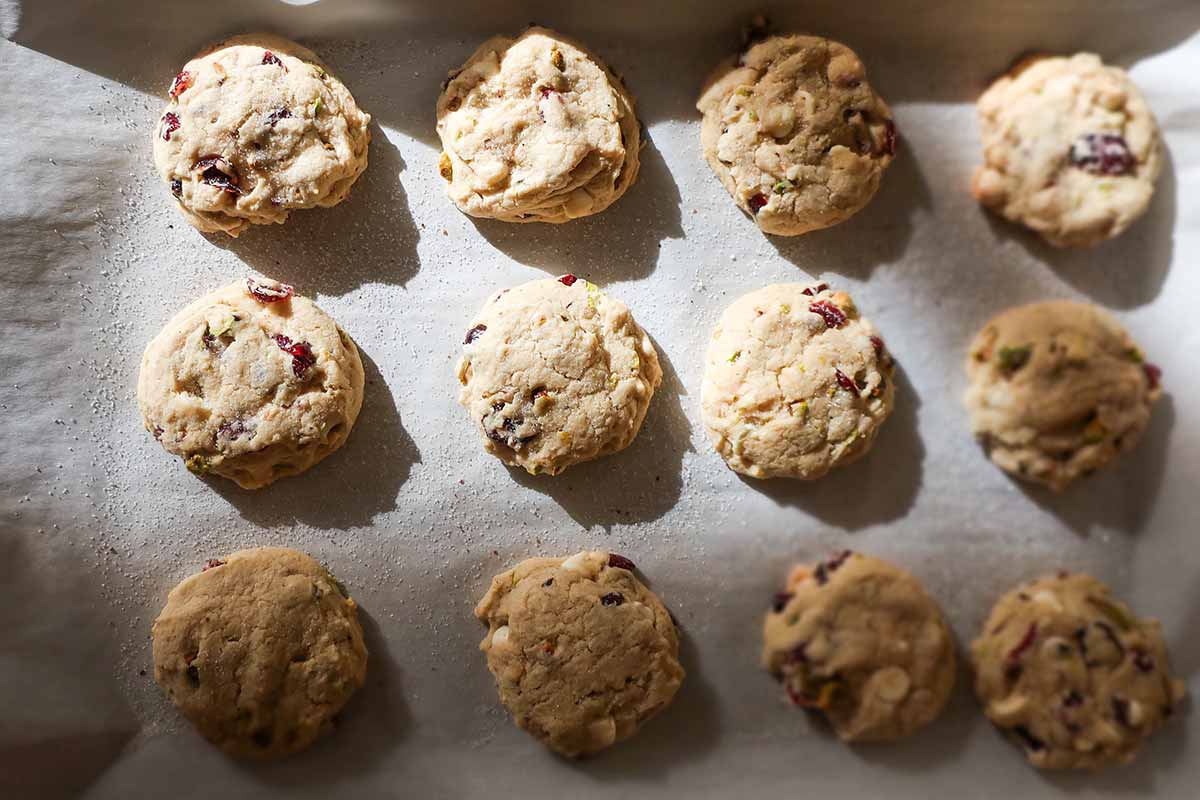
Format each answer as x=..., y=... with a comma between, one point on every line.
x=97, y=522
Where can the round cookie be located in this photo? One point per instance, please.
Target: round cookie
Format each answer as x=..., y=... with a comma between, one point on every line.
x=583, y=654
x=536, y=129
x=1071, y=674
x=796, y=382
x=1057, y=390
x=556, y=373
x=260, y=651
x=251, y=383
x=1070, y=149
x=255, y=127
x=796, y=134
x=859, y=640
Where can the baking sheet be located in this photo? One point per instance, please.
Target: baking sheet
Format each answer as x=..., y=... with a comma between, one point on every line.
x=97, y=522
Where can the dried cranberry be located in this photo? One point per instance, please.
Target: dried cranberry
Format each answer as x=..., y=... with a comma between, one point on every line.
x=546, y=91
x=1120, y=707
x=217, y=171
x=1073, y=699
x=1026, y=642
x=845, y=381
x=232, y=429
x=1153, y=374
x=538, y=392
x=612, y=599
x=568, y=280
x=183, y=81
x=889, y=138
x=834, y=316
x=1143, y=661
x=813, y=291
x=548, y=582
x=213, y=562
x=1102, y=154
x=170, y=125
x=780, y=601
x=177, y=187
x=877, y=343
x=756, y=202
x=301, y=353
x=276, y=115
x=268, y=292
x=620, y=562
x=158, y=432
x=827, y=568
x=271, y=58
x=1032, y=742
x=474, y=334
x=797, y=654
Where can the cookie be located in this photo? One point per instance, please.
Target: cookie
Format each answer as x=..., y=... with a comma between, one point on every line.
x=260, y=651
x=860, y=641
x=536, y=129
x=1070, y=149
x=256, y=127
x=251, y=382
x=583, y=654
x=1071, y=674
x=795, y=133
x=1057, y=390
x=555, y=372
x=796, y=382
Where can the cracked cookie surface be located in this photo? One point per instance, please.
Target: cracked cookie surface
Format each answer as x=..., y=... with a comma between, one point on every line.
x=860, y=640
x=1070, y=149
x=555, y=372
x=255, y=128
x=795, y=133
x=582, y=652
x=260, y=651
x=536, y=129
x=251, y=383
x=796, y=382
x=1071, y=674
x=1057, y=389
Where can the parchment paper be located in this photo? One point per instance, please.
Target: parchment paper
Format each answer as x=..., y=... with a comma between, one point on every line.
x=98, y=522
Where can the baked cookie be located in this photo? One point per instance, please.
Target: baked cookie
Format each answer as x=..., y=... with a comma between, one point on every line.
x=536, y=129
x=1070, y=149
x=1072, y=674
x=859, y=640
x=260, y=651
x=796, y=134
x=583, y=654
x=796, y=382
x=255, y=127
x=556, y=373
x=251, y=383
x=1057, y=390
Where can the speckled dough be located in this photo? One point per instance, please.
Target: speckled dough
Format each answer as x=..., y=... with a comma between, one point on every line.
x=1057, y=390
x=583, y=654
x=249, y=390
x=796, y=134
x=260, y=651
x=555, y=372
x=255, y=128
x=1071, y=674
x=859, y=640
x=1070, y=149
x=796, y=382
x=536, y=129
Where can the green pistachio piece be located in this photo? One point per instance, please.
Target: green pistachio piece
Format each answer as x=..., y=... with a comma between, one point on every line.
x=736, y=355
x=1134, y=355
x=1012, y=359
x=197, y=465
x=316, y=106
x=556, y=58
x=784, y=186
x=341, y=587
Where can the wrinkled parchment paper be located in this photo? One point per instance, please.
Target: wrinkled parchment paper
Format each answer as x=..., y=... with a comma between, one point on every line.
x=98, y=522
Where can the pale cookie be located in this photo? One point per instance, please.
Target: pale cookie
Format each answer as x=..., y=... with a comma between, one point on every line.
x=555, y=372
x=260, y=651
x=536, y=129
x=583, y=654
x=1057, y=390
x=860, y=640
x=251, y=383
x=1070, y=149
x=255, y=128
x=1071, y=674
x=796, y=382
x=796, y=134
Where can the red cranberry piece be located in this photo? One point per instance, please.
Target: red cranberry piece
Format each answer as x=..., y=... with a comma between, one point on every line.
x=158, y=432
x=780, y=601
x=301, y=353
x=268, y=291
x=183, y=81
x=170, y=125
x=612, y=599
x=1153, y=374
x=1073, y=699
x=1120, y=707
x=827, y=568
x=271, y=58
x=889, y=138
x=177, y=187
x=233, y=429
x=1026, y=642
x=1143, y=661
x=756, y=202
x=217, y=171
x=877, y=343
x=474, y=334
x=620, y=562
x=1102, y=154
x=797, y=654
x=1032, y=742
x=276, y=115
x=813, y=291
x=212, y=563
x=834, y=316
x=568, y=280
x=845, y=381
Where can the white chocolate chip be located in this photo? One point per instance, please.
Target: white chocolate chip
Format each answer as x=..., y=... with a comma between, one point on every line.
x=500, y=637
x=1047, y=598
x=1137, y=713
x=1008, y=709
x=779, y=121
x=575, y=562
x=892, y=684
x=603, y=731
